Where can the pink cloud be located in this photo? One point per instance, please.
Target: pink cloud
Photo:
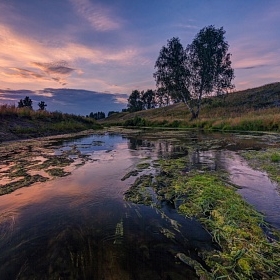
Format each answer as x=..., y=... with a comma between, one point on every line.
x=100, y=17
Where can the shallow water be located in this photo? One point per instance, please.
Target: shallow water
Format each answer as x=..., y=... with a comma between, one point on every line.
x=80, y=227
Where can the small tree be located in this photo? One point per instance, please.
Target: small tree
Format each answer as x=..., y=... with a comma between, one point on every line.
x=172, y=75
x=26, y=102
x=135, y=102
x=42, y=105
x=97, y=115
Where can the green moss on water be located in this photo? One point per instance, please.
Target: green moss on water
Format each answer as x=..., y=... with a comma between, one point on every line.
x=139, y=192
x=143, y=165
x=57, y=172
x=234, y=225
x=267, y=160
x=245, y=251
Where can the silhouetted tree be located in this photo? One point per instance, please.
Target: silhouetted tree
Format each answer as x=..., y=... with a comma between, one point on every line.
x=202, y=69
x=111, y=113
x=135, y=101
x=148, y=99
x=42, y=105
x=97, y=115
x=26, y=102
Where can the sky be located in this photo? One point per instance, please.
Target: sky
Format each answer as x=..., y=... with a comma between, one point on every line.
x=82, y=56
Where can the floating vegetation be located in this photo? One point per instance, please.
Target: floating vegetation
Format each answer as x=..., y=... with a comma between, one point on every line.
x=129, y=174
x=236, y=227
x=267, y=160
x=119, y=233
x=25, y=182
x=57, y=172
x=199, y=269
x=138, y=192
x=20, y=161
x=142, y=166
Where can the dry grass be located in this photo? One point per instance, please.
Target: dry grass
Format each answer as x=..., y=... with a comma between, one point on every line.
x=253, y=109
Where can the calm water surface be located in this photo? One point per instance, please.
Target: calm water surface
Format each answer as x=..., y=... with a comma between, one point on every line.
x=80, y=227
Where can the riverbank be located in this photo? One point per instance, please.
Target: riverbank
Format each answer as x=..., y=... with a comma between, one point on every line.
x=256, y=109
x=23, y=123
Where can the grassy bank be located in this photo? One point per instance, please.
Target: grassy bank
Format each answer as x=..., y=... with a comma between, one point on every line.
x=250, y=110
x=20, y=123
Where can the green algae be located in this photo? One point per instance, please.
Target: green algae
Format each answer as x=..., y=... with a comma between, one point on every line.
x=245, y=250
x=22, y=161
x=266, y=159
x=138, y=192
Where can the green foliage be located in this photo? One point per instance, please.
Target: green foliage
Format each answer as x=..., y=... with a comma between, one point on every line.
x=267, y=160
x=135, y=101
x=245, y=251
x=136, y=121
x=203, y=68
x=235, y=225
x=26, y=123
x=275, y=157
x=97, y=115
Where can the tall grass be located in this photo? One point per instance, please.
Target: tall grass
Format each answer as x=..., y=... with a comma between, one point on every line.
x=27, y=122
x=255, y=109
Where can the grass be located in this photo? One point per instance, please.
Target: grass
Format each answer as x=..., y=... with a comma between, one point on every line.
x=234, y=225
x=267, y=160
x=246, y=252
x=255, y=109
x=25, y=123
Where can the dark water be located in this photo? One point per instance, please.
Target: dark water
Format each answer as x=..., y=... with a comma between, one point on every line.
x=80, y=227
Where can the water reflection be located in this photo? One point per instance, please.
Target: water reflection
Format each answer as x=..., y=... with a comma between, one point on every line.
x=79, y=226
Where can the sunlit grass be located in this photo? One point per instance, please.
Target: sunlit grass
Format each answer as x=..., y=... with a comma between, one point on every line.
x=255, y=109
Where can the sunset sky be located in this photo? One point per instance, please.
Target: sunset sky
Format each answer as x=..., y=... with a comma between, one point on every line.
x=82, y=56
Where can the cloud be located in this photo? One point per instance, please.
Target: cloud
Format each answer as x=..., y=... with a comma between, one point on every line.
x=76, y=101
x=23, y=60
x=24, y=73
x=100, y=17
x=59, y=67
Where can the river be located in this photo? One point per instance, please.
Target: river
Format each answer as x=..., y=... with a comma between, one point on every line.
x=80, y=227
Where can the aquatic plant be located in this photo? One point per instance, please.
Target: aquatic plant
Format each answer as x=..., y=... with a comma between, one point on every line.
x=245, y=250
x=267, y=160
x=235, y=226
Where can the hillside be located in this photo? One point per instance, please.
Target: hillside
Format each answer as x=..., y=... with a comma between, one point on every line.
x=251, y=109
x=23, y=123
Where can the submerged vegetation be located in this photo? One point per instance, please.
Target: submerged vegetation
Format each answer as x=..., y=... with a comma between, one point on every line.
x=267, y=160
x=245, y=251
x=26, y=162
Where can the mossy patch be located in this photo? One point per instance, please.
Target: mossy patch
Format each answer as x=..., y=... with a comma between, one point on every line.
x=267, y=160
x=245, y=250
x=25, y=182
x=138, y=192
x=57, y=172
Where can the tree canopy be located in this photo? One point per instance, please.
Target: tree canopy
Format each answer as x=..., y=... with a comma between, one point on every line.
x=203, y=68
x=26, y=102
x=42, y=105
